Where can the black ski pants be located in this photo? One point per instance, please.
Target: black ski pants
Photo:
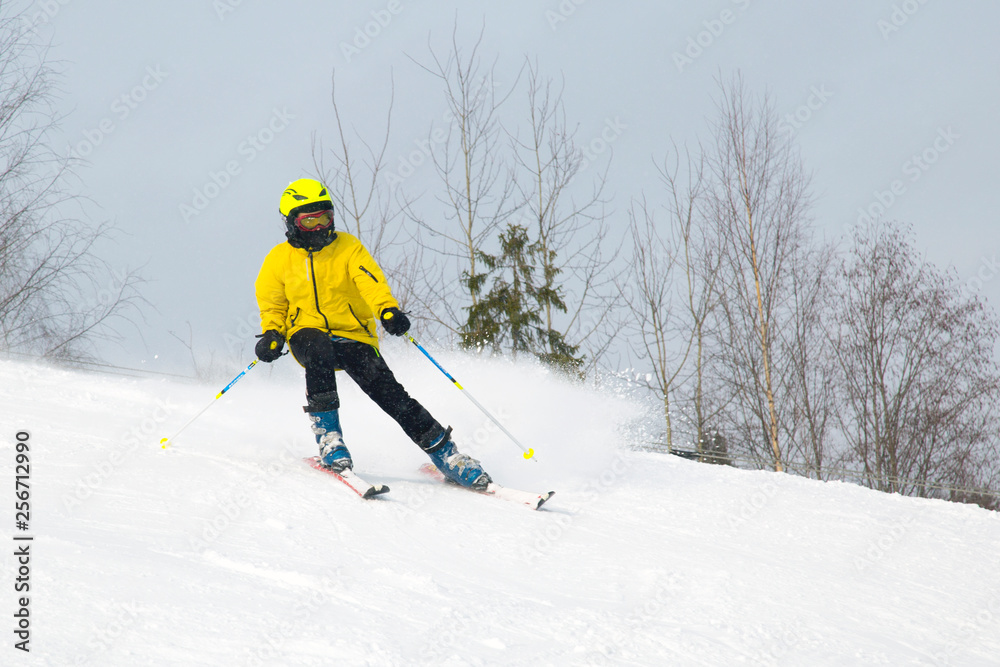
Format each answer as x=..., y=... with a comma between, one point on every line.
x=322, y=354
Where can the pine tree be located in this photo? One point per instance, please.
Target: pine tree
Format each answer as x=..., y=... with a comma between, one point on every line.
x=509, y=317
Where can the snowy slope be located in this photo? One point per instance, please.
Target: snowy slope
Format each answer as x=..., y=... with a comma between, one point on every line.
x=227, y=550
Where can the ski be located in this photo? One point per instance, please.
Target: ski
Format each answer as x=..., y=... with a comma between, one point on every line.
x=527, y=498
x=348, y=477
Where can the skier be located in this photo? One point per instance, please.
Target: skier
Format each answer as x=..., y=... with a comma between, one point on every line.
x=321, y=291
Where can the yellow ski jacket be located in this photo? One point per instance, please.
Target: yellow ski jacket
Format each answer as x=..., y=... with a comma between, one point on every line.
x=339, y=289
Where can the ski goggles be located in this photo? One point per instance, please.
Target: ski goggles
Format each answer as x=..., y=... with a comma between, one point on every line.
x=311, y=222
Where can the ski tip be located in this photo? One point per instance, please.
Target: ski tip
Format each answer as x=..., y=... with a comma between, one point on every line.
x=350, y=479
x=542, y=499
x=376, y=490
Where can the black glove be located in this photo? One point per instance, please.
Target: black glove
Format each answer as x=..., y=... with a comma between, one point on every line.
x=395, y=321
x=269, y=346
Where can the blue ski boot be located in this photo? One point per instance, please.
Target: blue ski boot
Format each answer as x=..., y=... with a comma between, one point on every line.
x=459, y=468
x=332, y=452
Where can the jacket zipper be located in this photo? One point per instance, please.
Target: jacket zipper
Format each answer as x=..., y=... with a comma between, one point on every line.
x=370, y=275
x=312, y=275
x=359, y=321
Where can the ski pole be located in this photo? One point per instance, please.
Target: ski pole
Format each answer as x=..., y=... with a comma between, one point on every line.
x=166, y=442
x=528, y=453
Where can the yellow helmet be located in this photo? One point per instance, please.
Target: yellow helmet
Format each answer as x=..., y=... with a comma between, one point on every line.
x=301, y=197
x=303, y=193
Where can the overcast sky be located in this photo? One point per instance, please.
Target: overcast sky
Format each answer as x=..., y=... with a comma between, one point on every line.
x=888, y=100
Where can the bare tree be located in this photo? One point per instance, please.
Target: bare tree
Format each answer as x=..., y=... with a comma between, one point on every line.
x=369, y=210
x=920, y=383
x=671, y=293
x=809, y=418
x=569, y=235
x=56, y=295
x=478, y=179
x=758, y=200
x=699, y=254
x=649, y=294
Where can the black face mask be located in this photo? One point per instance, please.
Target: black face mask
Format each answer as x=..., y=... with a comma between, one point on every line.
x=310, y=241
